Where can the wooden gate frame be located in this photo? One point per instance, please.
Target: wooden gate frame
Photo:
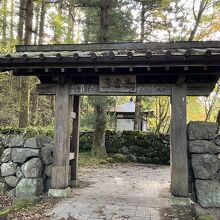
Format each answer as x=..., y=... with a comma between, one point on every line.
x=179, y=69
x=60, y=174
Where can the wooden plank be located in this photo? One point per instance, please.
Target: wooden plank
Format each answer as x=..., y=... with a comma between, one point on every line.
x=60, y=168
x=119, y=46
x=179, y=156
x=142, y=89
x=75, y=141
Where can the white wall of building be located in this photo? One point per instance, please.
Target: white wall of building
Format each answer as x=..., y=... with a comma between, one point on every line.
x=125, y=124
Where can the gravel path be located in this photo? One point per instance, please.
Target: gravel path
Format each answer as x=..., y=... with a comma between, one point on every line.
x=127, y=191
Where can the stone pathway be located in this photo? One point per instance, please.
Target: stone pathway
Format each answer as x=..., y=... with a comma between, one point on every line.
x=134, y=192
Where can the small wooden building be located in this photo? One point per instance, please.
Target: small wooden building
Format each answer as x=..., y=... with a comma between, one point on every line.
x=175, y=69
x=124, y=116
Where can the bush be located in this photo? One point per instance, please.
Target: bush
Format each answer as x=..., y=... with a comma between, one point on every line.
x=119, y=158
x=29, y=132
x=144, y=146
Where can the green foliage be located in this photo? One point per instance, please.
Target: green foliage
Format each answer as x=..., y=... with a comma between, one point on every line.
x=87, y=160
x=205, y=217
x=17, y=207
x=29, y=131
x=9, y=99
x=120, y=23
x=119, y=158
x=137, y=146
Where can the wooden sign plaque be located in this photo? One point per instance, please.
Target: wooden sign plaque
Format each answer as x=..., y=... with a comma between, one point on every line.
x=118, y=84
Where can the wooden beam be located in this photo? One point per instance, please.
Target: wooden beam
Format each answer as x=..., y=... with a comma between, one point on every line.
x=179, y=156
x=75, y=141
x=60, y=167
x=142, y=89
x=181, y=78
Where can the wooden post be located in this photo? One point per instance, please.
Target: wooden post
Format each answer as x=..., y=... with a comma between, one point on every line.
x=60, y=168
x=75, y=141
x=179, y=157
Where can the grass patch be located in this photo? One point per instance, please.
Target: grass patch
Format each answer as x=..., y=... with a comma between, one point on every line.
x=205, y=217
x=87, y=160
x=16, y=207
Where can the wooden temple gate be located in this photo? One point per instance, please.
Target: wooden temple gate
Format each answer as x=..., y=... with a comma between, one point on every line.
x=172, y=69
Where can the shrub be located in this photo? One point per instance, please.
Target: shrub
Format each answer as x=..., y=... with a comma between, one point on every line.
x=120, y=158
x=144, y=146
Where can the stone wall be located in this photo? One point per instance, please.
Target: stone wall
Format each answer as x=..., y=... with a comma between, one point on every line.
x=141, y=147
x=204, y=153
x=25, y=165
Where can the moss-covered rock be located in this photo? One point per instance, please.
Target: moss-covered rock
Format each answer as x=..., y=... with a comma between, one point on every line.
x=144, y=146
x=132, y=158
x=120, y=158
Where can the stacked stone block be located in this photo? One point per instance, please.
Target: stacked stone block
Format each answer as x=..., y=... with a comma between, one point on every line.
x=204, y=148
x=25, y=165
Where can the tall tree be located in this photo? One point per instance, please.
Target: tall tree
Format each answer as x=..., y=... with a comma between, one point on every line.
x=146, y=5
x=21, y=21
x=137, y=117
x=25, y=91
x=98, y=148
x=203, y=6
x=4, y=23
x=105, y=22
x=42, y=22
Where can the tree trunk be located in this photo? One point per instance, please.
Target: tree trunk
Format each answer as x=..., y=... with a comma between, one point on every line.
x=70, y=29
x=104, y=20
x=12, y=21
x=202, y=7
x=4, y=23
x=29, y=21
x=42, y=22
x=25, y=90
x=24, y=102
x=138, y=116
x=34, y=102
x=143, y=13
x=37, y=20
x=21, y=21
x=98, y=148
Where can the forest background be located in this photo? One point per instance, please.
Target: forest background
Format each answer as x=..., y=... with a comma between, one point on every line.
x=92, y=21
